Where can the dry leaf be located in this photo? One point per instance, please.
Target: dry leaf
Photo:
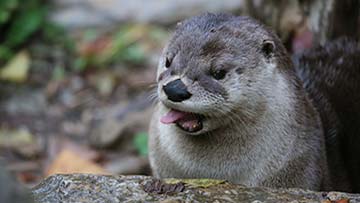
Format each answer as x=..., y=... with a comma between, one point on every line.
x=17, y=68
x=95, y=47
x=336, y=201
x=69, y=162
x=15, y=138
x=27, y=177
x=342, y=201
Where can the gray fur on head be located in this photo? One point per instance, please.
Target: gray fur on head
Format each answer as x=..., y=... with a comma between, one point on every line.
x=259, y=129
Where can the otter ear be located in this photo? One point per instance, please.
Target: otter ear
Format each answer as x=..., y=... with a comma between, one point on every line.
x=167, y=62
x=268, y=48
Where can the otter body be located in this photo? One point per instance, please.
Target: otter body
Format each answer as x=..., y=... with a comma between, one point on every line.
x=331, y=77
x=231, y=106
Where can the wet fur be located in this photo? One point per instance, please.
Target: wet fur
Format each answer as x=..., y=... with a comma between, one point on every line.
x=261, y=128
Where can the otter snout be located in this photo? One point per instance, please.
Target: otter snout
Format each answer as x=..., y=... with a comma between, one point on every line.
x=176, y=91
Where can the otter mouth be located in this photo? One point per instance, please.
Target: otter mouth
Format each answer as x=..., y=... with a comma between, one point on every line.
x=187, y=121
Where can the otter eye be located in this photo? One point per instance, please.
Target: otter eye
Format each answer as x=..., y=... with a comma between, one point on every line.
x=167, y=62
x=218, y=74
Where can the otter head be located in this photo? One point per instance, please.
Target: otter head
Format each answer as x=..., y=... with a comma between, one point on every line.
x=216, y=69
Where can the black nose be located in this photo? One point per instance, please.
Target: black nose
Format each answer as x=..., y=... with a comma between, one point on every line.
x=176, y=91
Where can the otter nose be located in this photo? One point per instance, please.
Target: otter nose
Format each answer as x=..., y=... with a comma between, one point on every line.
x=176, y=91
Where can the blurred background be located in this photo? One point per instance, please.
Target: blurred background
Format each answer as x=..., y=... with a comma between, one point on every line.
x=77, y=76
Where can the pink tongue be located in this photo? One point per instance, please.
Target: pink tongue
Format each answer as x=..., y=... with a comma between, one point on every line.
x=172, y=116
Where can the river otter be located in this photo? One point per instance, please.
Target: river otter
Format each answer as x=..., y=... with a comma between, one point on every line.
x=232, y=106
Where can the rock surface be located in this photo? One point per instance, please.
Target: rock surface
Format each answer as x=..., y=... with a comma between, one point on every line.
x=97, y=188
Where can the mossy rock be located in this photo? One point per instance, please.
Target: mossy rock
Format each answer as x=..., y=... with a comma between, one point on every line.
x=101, y=188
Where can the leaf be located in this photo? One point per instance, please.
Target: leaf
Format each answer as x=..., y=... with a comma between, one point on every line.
x=141, y=143
x=79, y=64
x=70, y=162
x=90, y=35
x=105, y=83
x=58, y=73
x=8, y=4
x=342, y=201
x=16, y=70
x=56, y=34
x=6, y=9
x=24, y=24
x=204, y=183
x=21, y=141
x=4, y=16
x=5, y=53
x=14, y=138
x=134, y=53
x=121, y=42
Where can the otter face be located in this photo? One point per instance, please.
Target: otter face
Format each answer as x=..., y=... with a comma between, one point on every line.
x=215, y=68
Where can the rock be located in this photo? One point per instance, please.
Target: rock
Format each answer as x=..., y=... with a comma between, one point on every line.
x=75, y=14
x=97, y=188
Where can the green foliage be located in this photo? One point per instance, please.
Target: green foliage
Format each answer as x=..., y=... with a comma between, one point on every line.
x=129, y=44
x=133, y=53
x=22, y=20
x=5, y=52
x=80, y=64
x=141, y=143
x=54, y=34
x=6, y=9
x=126, y=45
x=58, y=73
x=18, y=21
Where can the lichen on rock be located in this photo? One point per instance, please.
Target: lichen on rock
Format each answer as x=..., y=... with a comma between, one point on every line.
x=102, y=188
